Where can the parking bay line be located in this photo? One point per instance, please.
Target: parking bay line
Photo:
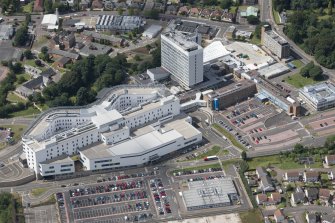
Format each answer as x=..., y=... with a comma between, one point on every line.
x=115, y=203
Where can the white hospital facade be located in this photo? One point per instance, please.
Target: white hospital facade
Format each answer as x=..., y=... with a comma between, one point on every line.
x=129, y=126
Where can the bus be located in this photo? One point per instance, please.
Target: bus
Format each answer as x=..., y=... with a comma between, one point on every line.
x=209, y=158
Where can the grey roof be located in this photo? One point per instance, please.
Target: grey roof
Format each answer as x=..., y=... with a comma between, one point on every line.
x=312, y=192
x=298, y=196
x=60, y=159
x=261, y=171
x=311, y=217
x=95, y=49
x=34, y=83
x=322, y=92
x=266, y=181
x=209, y=192
x=63, y=53
x=99, y=36
x=48, y=72
x=203, y=29
x=64, y=60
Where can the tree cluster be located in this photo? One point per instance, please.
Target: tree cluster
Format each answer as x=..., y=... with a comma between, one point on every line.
x=316, y=36
x=281, y=5
x=98, y=72
x=10, y=6
x=21, y=36
x=311, y=70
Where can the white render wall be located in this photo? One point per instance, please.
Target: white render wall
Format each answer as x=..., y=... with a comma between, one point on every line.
x=186, y=67
x=56, y=168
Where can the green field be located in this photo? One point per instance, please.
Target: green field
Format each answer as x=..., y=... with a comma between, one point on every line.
x=228, y=136
x=252, y=216
x=11, y=97
x=278, y=161
x=30, y=111
x=299, y=81
x=297, y=63
x=211, y=152
x=38, y=191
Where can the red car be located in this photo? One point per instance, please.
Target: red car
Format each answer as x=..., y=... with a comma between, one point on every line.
x=260, y=129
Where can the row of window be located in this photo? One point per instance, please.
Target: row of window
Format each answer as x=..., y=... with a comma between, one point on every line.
x=103, y=161
x=110, y=164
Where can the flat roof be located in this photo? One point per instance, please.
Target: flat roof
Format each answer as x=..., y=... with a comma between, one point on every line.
x=60, y=159
x=273, y=70
x=275, y=36
x=214, y=51
x=152, y=30
x=49, y=19
x=209, y=192
x=183, y=41
x=320, y=92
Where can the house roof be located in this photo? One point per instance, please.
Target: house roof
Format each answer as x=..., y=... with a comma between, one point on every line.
x=63, y=60
x=279, y=213
x=262, y=197
x=293, y=174
x=48, y=72
x=298, y=196
x=312, y=174
x=311, y=217
x=266, y=181
x=183, y=9
x=276, y=197
x=261, y=171
x=324, y=193
x=331, y=158
x=63, y=53
x=312, y=192
x=195, y=10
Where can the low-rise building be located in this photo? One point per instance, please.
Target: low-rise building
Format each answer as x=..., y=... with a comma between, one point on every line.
x=261, y=199
x=230, y=32
x=266, y=184
x=319, y=96
x=279, y=216
x=195, y=12
x=292, y=176
x=6, y=32
x=118, y=24
x=312, y=194
x=250, y=11
x=298, y=197
x=104, y=39
x=261, y=172
x=184, y=10
x=311, y=218
x=324, y=194
x=152, y=31
x=330, y=160
x=311, y=176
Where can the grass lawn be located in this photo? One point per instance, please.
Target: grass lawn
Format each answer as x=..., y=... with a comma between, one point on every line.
x=280, y=162
x=255, y=40
x=17, y=130
x=50, y=200
x=211, y=152
x=14, y=98
x=297, y=63
x=228, y=136
x=215, y=165
x=25, y=75
x=27, y=112
x=38, y=191
x=28, y=8
x=276, y=16
x=299, y=81
x=233, y=9
x=251, y=216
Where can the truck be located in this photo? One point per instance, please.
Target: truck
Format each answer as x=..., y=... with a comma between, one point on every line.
x=209, y=158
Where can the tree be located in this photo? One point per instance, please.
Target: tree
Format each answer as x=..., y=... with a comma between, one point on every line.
x=131, y=11
x=21, y=36
x=120, y=11
x=27, y=54
x=316, y=72
x=151, y=14
x=137, y=58
x=330, y=7
x=48, y=6
x=244, y=155
x=44, y=50
x=38, y=63
x=21, y=80
x=252, y=19
x=226, y=4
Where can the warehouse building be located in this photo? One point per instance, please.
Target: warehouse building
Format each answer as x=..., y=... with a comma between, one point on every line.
x=116, y=23
x=152, y=31
x=210, y=194
x=319, y=96
x=129, y=126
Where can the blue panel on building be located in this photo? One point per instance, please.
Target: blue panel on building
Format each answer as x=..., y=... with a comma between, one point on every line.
x=216, y=104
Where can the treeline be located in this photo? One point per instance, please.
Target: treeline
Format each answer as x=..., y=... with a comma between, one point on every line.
x=86, y=77
x=11, y=210
x=316, y=36
x=280, y=5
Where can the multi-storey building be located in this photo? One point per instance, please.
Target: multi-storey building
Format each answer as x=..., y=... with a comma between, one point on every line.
x=182, y=56
x=319, y=96
x=275, y=43
x=129, y=127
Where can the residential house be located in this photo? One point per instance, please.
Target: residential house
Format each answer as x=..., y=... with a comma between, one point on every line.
x=261, y=172
x=184, y=10
x=62, y=62
x=72, y=55
x=310, y=218
x=84, y=4
x=108, y=5
x=297, y=197
x=227, y=16
x=327, y=218
x=311, y=194
x=275, y=198
x=279, y=216
x=104, y=39
x=171, y=10
x=292, y=176
x=216, y=15
x=311, y=176
x=324, y=195
x=195, y=12
x=206, y=13
x=252, y=182
x=121, y=5
x=97, y=5
x=29, y=87
x=330, y=160
x=261, y=199
x=266, y=184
